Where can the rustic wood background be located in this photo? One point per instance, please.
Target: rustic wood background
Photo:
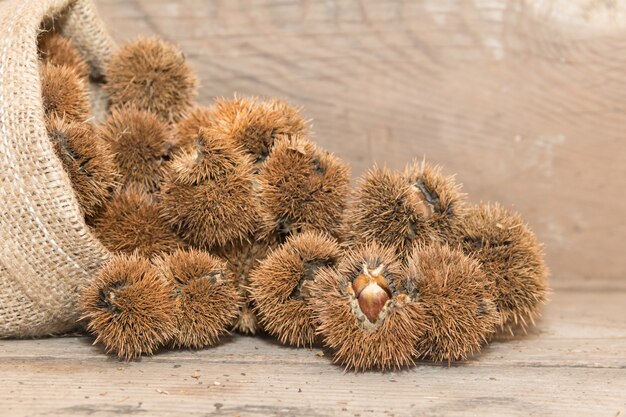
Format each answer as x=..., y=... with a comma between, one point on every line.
x=524, y=100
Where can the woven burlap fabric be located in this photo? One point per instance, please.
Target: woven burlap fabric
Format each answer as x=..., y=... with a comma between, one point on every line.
x=47, y=252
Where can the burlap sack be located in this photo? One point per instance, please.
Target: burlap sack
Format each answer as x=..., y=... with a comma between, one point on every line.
x=47, y=251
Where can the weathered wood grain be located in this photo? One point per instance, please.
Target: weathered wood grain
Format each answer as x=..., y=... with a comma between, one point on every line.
x=525, y=100
x=572, y=364
x=62, y=389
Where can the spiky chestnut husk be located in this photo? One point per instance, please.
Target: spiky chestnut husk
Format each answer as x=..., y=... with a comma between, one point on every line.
x=87, y=160
x=457, y=296
x=364, y=312
x=321, y=181
x=153, y=76
x=130, y=307
x=302, y=187
x=242, y=258
x=280, y=286
x=191, y=123
x=511, y=256
x=254, y=125
x=208, y=194
x=56, y=49
x=65, y=94
x=207, y=301
x=132, y=222
x=417, y=206
x=440, y=194
x=142, y=144
x=207, y=159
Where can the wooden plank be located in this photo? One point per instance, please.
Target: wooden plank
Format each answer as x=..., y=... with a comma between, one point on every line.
x=524, y=100
x=71, y=387
x=571, y=364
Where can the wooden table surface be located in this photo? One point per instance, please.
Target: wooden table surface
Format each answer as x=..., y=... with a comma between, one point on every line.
x=572, y=364
x=525, y=100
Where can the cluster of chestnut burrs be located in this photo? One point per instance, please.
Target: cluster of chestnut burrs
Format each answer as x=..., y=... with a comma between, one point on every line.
x=229, y=217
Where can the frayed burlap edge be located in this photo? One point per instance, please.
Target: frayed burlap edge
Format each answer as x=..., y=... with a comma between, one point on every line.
x=46, y=251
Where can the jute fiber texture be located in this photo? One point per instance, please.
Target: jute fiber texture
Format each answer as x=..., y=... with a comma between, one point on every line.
x=46, y=251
